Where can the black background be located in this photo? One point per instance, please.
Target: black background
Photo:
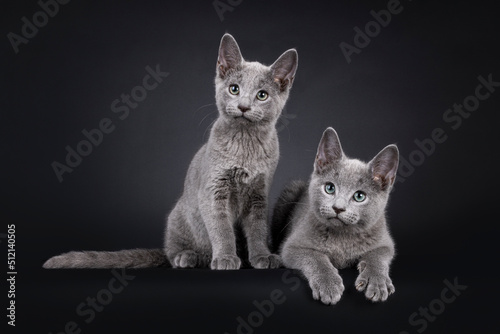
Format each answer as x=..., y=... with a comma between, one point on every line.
x=395, y=90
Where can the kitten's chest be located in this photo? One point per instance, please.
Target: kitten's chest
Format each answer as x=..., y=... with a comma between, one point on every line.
x=344, y=249
x=252, y=154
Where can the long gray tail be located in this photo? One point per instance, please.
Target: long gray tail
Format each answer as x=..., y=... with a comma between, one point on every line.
x=283, y=211
x=129, y=258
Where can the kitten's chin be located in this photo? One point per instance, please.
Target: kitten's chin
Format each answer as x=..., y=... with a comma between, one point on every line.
x=338, y=222
x=245, y=120
x=335, y=222
x=242, y=119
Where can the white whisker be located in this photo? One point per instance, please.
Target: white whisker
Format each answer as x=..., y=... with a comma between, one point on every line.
x=206, y=105
x=208, y=127
x=206, y=117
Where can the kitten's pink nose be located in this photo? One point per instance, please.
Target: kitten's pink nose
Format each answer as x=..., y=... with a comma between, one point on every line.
x=243, y=108
x=338, y=210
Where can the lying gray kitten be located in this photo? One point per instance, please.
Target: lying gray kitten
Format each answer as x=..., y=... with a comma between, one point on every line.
x=338, y=219
x=227, y=183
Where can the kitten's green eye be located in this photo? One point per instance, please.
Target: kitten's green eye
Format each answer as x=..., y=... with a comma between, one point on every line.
x=234, y=89
x=262, y=95
x=329, y=188
x=359, y=196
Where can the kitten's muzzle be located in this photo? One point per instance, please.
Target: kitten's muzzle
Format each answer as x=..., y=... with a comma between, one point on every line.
x=243, y=109
x=337, y=210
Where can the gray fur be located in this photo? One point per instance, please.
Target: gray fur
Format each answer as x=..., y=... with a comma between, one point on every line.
x=325, y=232
x=130, y=258
x=227, y=183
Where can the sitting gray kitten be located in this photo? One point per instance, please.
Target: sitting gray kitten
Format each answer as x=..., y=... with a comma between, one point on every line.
x=227, y=183
x=338, y=219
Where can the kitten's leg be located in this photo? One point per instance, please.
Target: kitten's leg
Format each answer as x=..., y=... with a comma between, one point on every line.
x=254, y=226
x=323, y=277
x=373, y=275
x=216, y=213
x=179, y=243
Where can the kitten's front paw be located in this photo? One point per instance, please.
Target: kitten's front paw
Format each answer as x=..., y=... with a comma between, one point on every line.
x=186, y=259
x=226, y=262
x=270, y=261
x=377, y=287
x=327, y=289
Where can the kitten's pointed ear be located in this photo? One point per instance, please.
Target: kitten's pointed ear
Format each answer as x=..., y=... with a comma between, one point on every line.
x=385, y=166
x=284, y=68
x=229, y=55
x=329, y=151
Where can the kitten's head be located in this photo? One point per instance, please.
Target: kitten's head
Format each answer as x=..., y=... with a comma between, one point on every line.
x=349, y=192
x=249, y=92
